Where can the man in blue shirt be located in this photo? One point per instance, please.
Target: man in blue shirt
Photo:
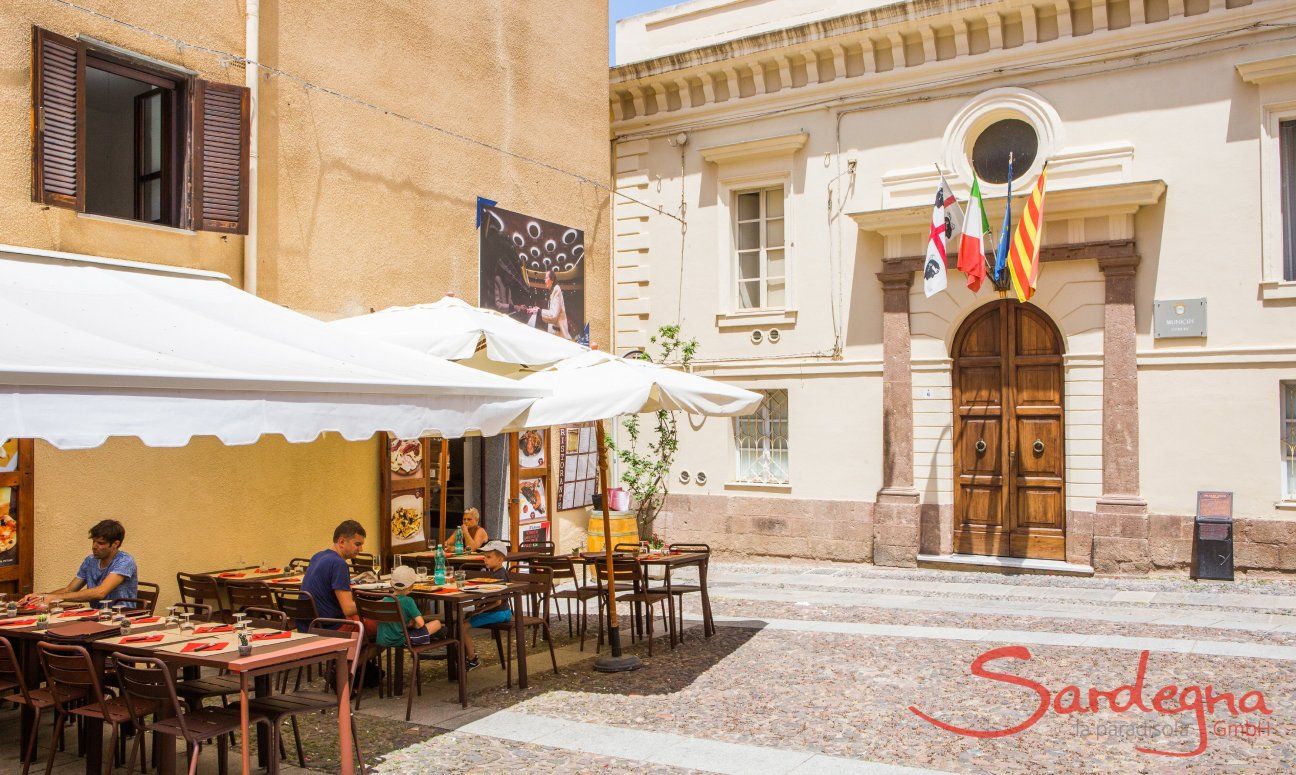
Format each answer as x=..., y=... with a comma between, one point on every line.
x=108, y=574
x=328, y=578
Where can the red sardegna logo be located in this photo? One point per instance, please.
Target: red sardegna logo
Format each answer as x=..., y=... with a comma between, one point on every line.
x=1170, y=700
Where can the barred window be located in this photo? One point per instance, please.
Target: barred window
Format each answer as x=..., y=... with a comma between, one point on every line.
x=762, y=441
x=1289, y=440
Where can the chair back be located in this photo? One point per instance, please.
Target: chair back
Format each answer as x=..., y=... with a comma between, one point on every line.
x=69, y=667
x=267, y=617
x=11, y=669
x=561, y=567
x=149, y=592
x=626, y=570
x=540, y=586
x=374, y=607
x=131, y=606
x=544, y=547
x=690, y=548
x=200, y=611
x=631, y=548
x=298, y=563
x=342, y=628
x=197, y=588
x=364, y=562
x=147, y=684
x=248, y=594
x=297, y=604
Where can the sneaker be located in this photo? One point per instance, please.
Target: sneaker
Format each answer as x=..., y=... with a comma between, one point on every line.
x=474, y=663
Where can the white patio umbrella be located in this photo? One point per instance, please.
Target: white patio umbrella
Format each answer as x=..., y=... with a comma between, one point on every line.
x=455, y=330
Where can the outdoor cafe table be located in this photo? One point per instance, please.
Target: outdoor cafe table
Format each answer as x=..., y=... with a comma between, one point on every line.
x=456, y=601
x=253, y=672
x=467, y=557
x=667, y=562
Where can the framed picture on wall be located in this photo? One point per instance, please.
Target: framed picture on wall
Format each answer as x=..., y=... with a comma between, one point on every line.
x=8, y=527
x=407, y=459
x=408, y=523
x=9, y=456
x=534, y=500
x=531, y=449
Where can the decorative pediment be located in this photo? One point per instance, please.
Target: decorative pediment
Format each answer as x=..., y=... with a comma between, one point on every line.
x=763, y=148
x=1268, y=70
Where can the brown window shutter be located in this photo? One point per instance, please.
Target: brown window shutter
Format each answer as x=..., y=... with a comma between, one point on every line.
x=220, y=157
x=58, y=120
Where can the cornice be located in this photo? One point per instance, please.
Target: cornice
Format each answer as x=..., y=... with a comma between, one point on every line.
x=763, y=148
x=859, y=67
x=1112, y=199
x=1268, y=70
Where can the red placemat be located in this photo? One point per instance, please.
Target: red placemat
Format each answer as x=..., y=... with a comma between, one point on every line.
x=191, y=648
x=269, y=570
x=212, y=629
x=231, y=575
x=142, y=638
x=271, y=636
x=147, y=620
x=18, y=623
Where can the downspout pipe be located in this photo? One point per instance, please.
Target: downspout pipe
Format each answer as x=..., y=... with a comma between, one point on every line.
x=251, y=60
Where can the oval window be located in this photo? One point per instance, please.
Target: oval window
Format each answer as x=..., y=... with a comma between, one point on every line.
x=994, y=144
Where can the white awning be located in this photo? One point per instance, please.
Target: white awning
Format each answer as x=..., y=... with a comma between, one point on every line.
x=93, y=349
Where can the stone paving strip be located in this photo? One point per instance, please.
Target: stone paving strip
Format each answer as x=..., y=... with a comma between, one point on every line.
x=1025, y=637
x=1234, y=620
x=1276, y=596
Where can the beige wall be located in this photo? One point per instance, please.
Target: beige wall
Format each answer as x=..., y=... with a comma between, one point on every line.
x=358, y=210
x=1208, y=408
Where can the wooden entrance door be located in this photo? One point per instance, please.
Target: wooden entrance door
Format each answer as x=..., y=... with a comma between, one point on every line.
x=1009, y=488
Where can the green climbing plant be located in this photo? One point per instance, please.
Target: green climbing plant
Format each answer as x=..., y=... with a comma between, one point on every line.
x=648, y=452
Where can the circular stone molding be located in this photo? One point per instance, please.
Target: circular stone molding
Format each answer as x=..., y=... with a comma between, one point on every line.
x=985, y=109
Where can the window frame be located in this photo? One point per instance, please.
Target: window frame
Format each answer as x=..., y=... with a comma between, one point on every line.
x=1287, y=430
x=1276, y=284
x=767, y=435
x=1286, y=132
x=737, y=281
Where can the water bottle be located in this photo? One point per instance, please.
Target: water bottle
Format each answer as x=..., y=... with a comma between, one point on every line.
x=439, y=572
x=459, y=544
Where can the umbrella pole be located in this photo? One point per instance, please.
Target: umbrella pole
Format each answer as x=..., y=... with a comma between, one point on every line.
x=515, y=493
x=615, y=663
x=443, y=475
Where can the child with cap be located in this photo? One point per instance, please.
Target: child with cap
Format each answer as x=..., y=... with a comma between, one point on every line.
x=494, y=611
x=403, y=579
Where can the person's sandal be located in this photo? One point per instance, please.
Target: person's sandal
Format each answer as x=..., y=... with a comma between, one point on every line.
x=473, y=663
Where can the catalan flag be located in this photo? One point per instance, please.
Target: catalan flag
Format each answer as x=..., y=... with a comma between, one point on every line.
x=1023, y=256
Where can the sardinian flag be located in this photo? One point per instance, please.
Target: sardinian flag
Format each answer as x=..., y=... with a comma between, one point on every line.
x=947, y=218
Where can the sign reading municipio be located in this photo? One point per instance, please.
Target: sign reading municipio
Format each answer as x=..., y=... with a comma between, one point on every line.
x=1179, y=318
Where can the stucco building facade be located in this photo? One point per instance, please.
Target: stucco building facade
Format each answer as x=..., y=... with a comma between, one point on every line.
x=801, y=144
x=372, y=131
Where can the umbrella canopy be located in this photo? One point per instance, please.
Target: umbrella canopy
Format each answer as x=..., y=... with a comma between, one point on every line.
x=455, y=330
x=598, y=386
x=95, y=348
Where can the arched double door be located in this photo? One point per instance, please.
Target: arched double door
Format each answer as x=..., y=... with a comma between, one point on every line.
x=1009, y=471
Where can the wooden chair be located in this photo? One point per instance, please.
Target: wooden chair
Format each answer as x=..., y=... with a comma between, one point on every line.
x=544, y=547
x=197, y=588
x=297, y=604
x=292, y=704
x=248, y=594
x=38, y=699
x=298, y=564
x=680, y=590
x=633, y=572
x=378, y=608
x=364, y=562
x=72, y=678
x=200, y=612
x=150, y=592
x=540, y=587
x=148, y=686
x=579, y=592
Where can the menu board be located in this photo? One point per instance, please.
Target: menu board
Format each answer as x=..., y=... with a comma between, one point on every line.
x=8, y=526
x=16, y=488
x=410, y=493
x=578, y=455
x=533, y=480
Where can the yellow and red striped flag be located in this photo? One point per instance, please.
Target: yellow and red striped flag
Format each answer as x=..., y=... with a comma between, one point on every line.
x=1023, y=256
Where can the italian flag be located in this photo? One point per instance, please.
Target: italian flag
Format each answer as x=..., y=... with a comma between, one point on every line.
x=976, y=228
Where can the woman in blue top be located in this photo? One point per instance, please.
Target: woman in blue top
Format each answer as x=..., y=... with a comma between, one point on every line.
x=107, y=574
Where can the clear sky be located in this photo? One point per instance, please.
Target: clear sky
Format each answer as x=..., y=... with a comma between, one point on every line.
x=619, y=9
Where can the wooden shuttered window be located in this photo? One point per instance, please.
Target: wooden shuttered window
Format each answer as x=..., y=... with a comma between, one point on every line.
x=220, y=157
x=58, y=123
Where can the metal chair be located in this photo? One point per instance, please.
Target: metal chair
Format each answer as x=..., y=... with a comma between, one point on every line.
x=364, y=562
x=292, y=704
x=383, y=609
x=199, y=611
x=72, y=677
x=680, y=590
x=641, y=595
x=298, y=564
x=579, y=592
x=197, y=588
x=147, y=685
x=248, y=594
x=544, y=547
x=38, y=699
x=150, y=592
x=297, y=604
x=540, y=587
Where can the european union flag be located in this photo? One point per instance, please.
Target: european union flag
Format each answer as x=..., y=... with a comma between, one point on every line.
x=1005, y=234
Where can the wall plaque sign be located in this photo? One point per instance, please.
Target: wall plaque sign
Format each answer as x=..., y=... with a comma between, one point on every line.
x=1179, y=319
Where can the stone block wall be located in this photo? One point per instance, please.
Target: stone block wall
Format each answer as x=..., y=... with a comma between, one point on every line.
x=775, y=527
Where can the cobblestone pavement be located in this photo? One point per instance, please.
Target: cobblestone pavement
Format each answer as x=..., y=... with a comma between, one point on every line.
x=831, y=682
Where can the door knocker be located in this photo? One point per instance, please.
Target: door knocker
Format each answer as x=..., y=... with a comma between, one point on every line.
x=1038, y=446
x=980, y=446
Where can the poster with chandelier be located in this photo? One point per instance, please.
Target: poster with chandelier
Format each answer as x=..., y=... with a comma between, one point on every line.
x=533, y=271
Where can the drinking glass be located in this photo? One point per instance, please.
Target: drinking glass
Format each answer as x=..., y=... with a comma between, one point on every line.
x=460, y=576
x=240, y=619
x=186, y=625
x=105, y=613
x=421, y=573
x=172, y=620
x=55, y=609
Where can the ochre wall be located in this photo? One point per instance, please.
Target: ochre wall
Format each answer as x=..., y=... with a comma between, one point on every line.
x=358, y=210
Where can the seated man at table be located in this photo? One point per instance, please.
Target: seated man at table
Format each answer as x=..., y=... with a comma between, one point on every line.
x=474, y=535
x=108, y=574
x=421, y=630
x=493, y=611
x=328, y=577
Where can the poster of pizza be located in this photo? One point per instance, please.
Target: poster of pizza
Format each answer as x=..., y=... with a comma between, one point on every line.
x=408, y=518
x=8, y=527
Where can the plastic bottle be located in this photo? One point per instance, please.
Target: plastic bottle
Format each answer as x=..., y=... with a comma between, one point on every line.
x=459, y=542
x=439, y=573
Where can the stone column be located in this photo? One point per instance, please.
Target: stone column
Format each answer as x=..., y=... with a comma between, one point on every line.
x=895, y=518
x=1120, y=516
